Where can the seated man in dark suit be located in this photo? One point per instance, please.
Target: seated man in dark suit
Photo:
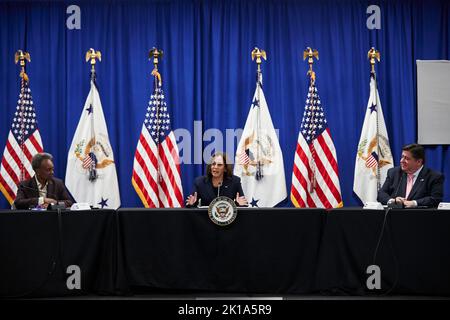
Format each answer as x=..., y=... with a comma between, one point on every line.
x=412, y=184
x=42, y=189
x=219, y=181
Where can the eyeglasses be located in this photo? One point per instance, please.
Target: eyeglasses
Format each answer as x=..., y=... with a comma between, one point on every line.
x=216, y=164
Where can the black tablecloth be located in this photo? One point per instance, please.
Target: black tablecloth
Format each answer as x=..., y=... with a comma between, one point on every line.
x=36, y=247
x=413, y=255
x=262, y=251
x=273, y=251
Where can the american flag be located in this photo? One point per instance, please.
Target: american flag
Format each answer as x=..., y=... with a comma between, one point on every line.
x=24, y=141
x=87, y=162
x=243, y=158
x=315, y=181
x=156, y=168
x=372, y=160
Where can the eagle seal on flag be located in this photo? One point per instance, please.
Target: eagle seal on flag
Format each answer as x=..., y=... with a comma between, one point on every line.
x=370, y=157
x=94, y=155
x=254, y=152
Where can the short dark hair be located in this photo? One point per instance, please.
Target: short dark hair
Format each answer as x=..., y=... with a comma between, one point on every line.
x=37, y=159
x=228, y=168
x=417, y=151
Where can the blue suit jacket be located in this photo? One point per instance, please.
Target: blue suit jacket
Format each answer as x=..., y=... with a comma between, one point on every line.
x=205, y=190
x=28, y=193
x=428, y=190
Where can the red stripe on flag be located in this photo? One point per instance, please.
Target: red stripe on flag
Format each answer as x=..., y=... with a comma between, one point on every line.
x=146, y=171
x=329, y=184
x=27, y=152
x=148, y=151
x=26, y=160
x=173, y=151
x=27, y=175
x=164, y=189
x=13, y=153
x=36, y=144
x=304, y=180
x=10, y=171
x=327, y=152
x=297, y=197
x=323, y=198
x=149, y=178
x=176, y=159
x=171, y=178
x=142, y=189
x=327, y=179
x=154, y=161
x=301, y=179
x=333, y=164
x=170, y=174
x=371, y=162
x=139, y=190
x=7, y=189
x=147, y=174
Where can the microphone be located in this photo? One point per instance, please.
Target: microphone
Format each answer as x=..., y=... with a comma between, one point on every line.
x=39, y=191
x=395, y=204
x=58, y=205
x=218, y=189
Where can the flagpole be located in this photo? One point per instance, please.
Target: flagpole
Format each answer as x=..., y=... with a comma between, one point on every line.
x=155, y=53
x=92, y=55
x=310, y=54
x=372, y=55
x=22, y=56
x=258, y=54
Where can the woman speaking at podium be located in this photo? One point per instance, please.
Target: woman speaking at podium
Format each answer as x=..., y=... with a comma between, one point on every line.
x=218, y=181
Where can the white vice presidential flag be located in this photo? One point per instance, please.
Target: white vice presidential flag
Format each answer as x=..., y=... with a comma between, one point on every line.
x=91, y=175
x=374, y=157
x=259, y=161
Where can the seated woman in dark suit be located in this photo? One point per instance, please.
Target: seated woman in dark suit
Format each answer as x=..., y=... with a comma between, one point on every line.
x=43, y=189
x=218, y=181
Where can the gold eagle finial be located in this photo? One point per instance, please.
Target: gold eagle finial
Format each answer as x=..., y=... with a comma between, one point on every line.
x=310, y=54
x=92, y=54
x=372, y=55
x=155, y=54
x=22, y=56
x=258, y=54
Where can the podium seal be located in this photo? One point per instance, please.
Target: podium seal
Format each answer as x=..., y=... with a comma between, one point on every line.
x=222, y=211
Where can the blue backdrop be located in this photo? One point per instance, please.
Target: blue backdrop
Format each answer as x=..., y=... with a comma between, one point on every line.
x=208, y=74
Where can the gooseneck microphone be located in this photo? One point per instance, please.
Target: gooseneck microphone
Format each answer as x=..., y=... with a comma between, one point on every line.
x=390, y=206
x=395, y=204
x=218, y=188
x=58, y=205
x=39, y=191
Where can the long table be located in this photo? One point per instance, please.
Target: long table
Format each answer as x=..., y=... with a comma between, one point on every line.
x=413, y=253
x=274, y=251
x=41, y=250
x=263, y=250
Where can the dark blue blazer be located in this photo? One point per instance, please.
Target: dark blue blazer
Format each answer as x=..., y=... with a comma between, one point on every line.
x=205, y=190
x=428, y=190
x=28, y=193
